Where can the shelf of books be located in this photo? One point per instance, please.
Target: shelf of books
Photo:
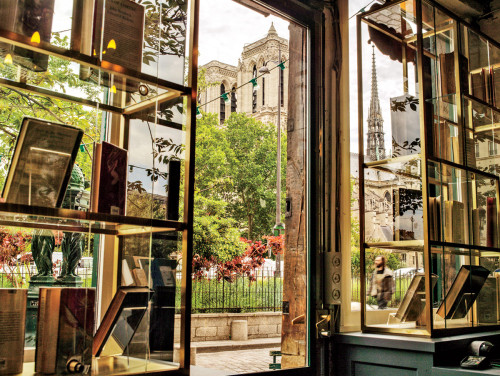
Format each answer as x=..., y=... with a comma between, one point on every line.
x=429, y=171
x=97, y=142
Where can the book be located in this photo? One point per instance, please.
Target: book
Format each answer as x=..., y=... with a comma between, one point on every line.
x=140, y=277
x=109, y=179
x=12, y=324
x=117, y=39
x=163, y=272
x=463, y=292
x=407, y=214
x=454, y=225
x=41, y=164
x=442, y=139
x=487, y=308
x=491, y=222
x=65, y=326
x=27, y=17
x=174, y=178
x=495, y=86
x=127, y=278
x=479, y=226
x=478, y=88
x=121, y=320
x=435, y=218
x=405, y=125
x=413, y=303
x=447, y=73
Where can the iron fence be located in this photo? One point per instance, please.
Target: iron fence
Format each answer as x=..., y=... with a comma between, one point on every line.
x=264, y=292
x=19, y=276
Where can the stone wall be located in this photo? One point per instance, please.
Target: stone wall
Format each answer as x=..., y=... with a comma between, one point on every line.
x=217, y=326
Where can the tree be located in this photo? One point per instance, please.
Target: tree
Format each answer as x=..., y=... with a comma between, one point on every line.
x=236, y=163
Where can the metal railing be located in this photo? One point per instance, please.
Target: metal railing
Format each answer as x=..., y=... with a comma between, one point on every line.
x=19, y=276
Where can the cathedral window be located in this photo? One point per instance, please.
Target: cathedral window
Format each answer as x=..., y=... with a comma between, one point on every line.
x=254, y=93
x=222, y=114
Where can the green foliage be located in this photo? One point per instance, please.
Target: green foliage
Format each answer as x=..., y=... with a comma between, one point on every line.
x=236, y=163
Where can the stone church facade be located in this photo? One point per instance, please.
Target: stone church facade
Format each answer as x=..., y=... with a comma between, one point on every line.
x=261, y=103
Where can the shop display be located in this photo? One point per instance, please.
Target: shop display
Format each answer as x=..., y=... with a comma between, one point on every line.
x=64, y=330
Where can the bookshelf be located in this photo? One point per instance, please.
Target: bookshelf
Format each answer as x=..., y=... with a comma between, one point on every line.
x=429, y=195
x=124, y=73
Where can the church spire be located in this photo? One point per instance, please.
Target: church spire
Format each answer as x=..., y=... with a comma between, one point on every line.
x=375, y=148
x=272, y=30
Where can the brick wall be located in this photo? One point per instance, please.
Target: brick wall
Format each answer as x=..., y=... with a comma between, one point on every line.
x=217, y=326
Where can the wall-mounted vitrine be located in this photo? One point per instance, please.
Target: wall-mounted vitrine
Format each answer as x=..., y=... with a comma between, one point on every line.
x=97, y=150
x=429, y=175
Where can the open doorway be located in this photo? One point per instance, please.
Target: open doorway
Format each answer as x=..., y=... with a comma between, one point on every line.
x=250, y=256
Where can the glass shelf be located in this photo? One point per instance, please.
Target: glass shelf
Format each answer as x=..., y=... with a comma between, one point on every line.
x=88, y=61
x=407, y=165
x=118, y=365
x=409, y=245
x=80, y=221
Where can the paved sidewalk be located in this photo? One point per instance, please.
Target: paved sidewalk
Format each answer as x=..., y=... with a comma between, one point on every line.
x=234, y=362
x=228, y=345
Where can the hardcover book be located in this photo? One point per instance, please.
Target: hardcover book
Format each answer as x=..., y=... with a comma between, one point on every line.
x=413, y=303
x=487, y=309
x=120, y=43
x=121, y=320
x=407, y=214
x=463, y=292
x=12, y=322
x=109, y=179
x=64, y=329
x=41, y=163
x=447, y=72
x=454, y=226
x=491, y=223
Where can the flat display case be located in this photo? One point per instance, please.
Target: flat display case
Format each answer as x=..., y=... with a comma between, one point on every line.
x=124, y=73
x=430, y=201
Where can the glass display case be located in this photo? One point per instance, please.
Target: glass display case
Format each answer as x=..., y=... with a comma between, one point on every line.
x=429, y=175
x=97, y=121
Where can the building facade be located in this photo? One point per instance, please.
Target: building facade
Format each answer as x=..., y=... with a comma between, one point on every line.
x=259, y=101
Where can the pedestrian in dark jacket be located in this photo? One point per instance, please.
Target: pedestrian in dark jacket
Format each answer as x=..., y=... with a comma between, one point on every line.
x=381, y=283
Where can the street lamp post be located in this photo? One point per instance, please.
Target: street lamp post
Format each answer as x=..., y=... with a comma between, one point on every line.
x=278, y=227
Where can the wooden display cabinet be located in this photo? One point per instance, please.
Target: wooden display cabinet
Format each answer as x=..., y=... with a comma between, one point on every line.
x=124, y=72
x=435, y=94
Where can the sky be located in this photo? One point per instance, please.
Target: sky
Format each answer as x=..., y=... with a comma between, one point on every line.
x=225, y=27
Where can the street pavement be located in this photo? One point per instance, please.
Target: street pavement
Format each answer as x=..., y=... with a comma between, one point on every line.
x=238, y=361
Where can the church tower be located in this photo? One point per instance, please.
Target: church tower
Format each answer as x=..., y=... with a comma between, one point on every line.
x=375, y=146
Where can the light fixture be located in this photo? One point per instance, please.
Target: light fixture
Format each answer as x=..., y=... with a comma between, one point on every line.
x=113, y=89
x=254, y=83
x=225, y=97
x=112, y=44
x=35, y=38
x=143, y=89
x=8, y=59
x=282, y=65
x=198, y=113
x=264, y=69
x=82, y=148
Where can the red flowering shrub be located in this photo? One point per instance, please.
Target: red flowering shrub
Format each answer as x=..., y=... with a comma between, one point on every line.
x=244, y=264
x=14, y=246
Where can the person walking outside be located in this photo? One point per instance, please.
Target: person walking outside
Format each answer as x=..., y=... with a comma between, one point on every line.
x=381, y=283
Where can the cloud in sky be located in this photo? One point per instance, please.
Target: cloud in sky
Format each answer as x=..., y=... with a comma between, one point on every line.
x=225, y=27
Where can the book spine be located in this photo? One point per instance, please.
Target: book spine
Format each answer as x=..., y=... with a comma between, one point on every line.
x=12, y=323
x=96, y=172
